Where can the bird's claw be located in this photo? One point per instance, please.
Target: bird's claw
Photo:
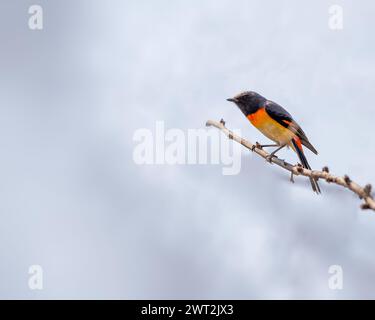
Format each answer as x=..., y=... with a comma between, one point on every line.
x=269, y=158
x=257, y=145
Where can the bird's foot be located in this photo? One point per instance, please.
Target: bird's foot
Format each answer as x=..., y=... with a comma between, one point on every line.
x=270, y=157
x=257, y=145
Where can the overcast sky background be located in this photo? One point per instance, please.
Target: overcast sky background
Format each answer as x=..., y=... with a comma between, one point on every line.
x=73, y=201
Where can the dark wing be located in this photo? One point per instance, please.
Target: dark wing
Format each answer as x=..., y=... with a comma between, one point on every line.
x=278, y=113
x=283, y=117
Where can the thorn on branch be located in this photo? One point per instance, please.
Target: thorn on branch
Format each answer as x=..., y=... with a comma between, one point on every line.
x=325, y=169
x=222, y=122
x=367, y=190
x=365, y=206
x=292, y=177
x=348, y=181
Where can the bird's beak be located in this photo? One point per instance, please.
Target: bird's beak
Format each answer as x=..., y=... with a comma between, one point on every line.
x=232, y=100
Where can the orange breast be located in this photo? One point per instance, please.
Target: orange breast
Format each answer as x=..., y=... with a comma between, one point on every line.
x=270, y=127
x=258, y=117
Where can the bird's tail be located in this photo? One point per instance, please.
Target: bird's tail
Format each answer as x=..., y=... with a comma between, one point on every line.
x=298, y=148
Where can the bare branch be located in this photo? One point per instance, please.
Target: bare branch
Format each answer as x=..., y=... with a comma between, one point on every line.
x=297, y=170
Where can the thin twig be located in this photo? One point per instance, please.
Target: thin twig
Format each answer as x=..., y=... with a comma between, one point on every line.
x=297, y=170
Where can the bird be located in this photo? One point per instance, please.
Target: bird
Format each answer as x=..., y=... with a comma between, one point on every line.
x=273, y=121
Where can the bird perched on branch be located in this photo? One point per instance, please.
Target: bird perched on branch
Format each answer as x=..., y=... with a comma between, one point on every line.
x=276, y=124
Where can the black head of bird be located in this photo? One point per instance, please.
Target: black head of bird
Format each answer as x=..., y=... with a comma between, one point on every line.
x=248, y=101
